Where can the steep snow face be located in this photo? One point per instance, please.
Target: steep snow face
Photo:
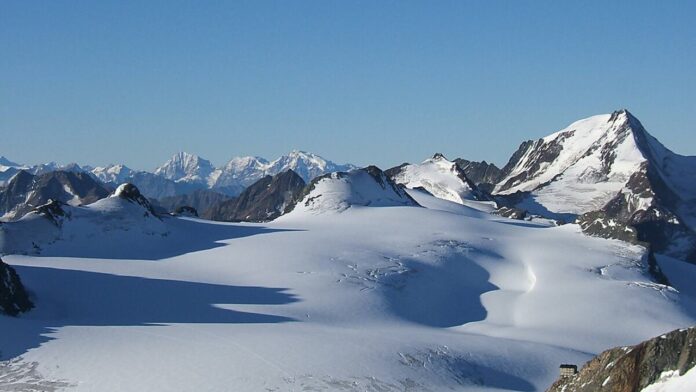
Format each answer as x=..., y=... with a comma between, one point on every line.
x=368, y=187
x=114, y=174
x=185, y=167
x=579, y=168
x=440, y=177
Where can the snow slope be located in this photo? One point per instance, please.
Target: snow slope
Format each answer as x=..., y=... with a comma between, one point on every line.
x=582, y=167
x=368, y=187
x=370, y=299
x=579, y=168
x=440, y=177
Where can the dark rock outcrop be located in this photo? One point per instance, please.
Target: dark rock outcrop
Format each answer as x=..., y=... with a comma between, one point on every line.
x=263, y=201
x=511, y=212
x=13, y=296
x=132, y=194
x=630, y=369
x=485, y=175
x=647, y=210
x=26, y=191
x=186, y=211
x=201, y=200
x=54, y=211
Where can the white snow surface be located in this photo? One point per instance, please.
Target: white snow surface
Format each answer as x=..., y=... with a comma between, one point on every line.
x=240, y=172
x=115, y=174
x=339, y=191
x=671, y=381
x=186, y=167
x=438, y=176
x=371, y=299
x=577, y=181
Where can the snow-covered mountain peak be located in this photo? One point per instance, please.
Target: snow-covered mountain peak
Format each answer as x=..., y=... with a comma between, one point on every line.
x=338, y=191
x=114, y=174
x=186, y=167
x=598, y=149
x=437, y=175
x=307, y=165
x=130, y=193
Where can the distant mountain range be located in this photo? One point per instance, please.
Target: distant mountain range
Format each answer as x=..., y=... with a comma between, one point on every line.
x=605, y=173
x=184, y=173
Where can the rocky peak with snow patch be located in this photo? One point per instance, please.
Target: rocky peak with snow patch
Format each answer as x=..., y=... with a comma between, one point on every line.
x=438, y=176
x=131, y=193
x=262, y=201
x=338, y=191
x=610, y=173
x=26, y=191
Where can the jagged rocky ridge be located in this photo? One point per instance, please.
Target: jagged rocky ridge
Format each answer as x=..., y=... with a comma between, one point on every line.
x=14, y=298
x=263, y=201
x=608, y=174
x=629, y=369
x=485, y=175
x=125, y=211
x=26, y=191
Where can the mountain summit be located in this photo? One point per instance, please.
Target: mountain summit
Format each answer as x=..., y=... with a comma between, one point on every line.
x=185, y=167
x=612, y=175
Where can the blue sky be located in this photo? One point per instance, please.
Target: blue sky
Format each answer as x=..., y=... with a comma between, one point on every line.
x=356, y=81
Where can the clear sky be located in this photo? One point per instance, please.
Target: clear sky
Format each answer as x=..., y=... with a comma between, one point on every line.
x=355, y=81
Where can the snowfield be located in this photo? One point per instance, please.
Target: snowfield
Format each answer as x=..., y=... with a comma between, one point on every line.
x=392, y=298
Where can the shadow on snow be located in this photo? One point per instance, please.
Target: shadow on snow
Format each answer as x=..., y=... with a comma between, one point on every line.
x=80, y=298
x=184, y=236
x=444, y=294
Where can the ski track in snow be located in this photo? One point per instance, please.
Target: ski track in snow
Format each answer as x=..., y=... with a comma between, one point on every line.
x=445, y=297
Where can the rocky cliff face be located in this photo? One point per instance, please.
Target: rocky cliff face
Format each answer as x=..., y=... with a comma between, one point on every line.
x=630, y=369
x=263, y=201
x=26, y=191
x=609, y=175
x=485, y=175
x=13, y=297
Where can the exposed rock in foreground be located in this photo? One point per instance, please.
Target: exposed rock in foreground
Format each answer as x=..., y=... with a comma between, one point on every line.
x=13, y=297
x=629, y=369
